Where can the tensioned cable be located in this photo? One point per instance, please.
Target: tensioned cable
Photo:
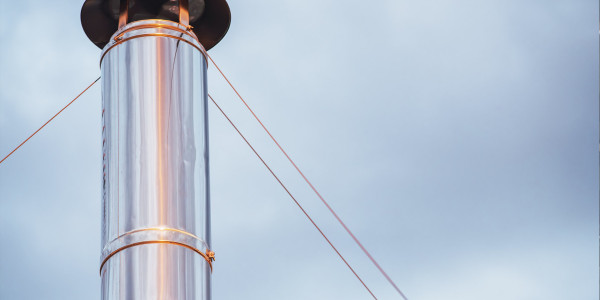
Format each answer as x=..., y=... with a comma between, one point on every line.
x=291, y=196
x=27, y=139
x=311, y=185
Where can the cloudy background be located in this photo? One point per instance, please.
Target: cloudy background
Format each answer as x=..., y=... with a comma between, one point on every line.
x=458, y=139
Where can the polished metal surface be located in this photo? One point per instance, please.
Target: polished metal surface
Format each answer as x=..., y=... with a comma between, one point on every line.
x=210, y=19
x=156, y=208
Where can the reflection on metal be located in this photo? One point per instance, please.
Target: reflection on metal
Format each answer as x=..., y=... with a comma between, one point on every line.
x=123, y=10
x=209, y=19
x=156, y=208
x=184, y=14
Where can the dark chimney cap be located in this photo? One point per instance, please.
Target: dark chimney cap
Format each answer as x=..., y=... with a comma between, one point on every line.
x=209, y=19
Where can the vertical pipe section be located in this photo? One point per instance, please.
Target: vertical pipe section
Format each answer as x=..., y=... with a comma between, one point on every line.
x=155, y=222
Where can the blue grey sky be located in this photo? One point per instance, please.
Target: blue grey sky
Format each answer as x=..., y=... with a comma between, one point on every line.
x=458, y=139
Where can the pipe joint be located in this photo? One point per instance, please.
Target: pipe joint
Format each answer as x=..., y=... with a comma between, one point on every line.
x=156, y=236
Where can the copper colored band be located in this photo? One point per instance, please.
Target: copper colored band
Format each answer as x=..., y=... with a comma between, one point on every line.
x=206, y=257
x=152, y=34
x=157, y=25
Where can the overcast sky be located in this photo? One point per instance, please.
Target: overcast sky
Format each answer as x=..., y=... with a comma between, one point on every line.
x=458, y=139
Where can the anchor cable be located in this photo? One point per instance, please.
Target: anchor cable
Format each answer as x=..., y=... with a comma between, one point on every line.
x=60, y=111
x=388, y=278
x=291, y=196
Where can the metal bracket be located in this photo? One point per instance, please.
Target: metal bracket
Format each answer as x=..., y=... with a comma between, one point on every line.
x=211, y=256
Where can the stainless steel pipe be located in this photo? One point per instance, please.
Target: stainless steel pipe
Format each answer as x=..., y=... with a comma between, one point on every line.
x=156, y=208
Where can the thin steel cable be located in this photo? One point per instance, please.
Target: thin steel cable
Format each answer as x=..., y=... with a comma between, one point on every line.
x=291, y=196
x=171, y=90
x=311, y=186
x=27, y=139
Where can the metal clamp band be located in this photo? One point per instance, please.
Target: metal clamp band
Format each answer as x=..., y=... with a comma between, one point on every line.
x=118, y=38
x=157, y=25
x=156, y=236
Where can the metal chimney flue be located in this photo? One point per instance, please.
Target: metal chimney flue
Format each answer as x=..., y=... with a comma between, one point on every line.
x=155, y=201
